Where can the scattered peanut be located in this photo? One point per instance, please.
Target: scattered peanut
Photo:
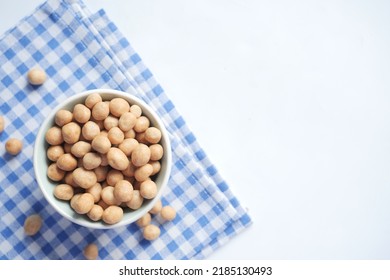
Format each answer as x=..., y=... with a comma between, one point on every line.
x=32, y=225
x=151, y=232
x=144, y=220
x=156, y=208
x=13, y=146
x=91, y=252
x=36, y=76
x=168, y=213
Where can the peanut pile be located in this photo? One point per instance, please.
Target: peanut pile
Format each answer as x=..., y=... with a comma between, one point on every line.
x=104, y=156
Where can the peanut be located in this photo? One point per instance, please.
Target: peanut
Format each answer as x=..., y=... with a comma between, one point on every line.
x=36, y=76
x=13, y=146
x=32, y=225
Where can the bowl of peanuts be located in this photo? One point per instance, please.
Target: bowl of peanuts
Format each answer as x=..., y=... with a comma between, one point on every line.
x=102, y=158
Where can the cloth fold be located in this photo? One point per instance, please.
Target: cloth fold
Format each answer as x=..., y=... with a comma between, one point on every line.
x=80, y=51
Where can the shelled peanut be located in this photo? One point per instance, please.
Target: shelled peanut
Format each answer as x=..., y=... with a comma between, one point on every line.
x=105, y=156
x=152, y=231
x=91, y=252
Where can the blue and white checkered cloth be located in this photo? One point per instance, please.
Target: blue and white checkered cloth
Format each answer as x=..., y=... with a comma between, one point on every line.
x=81, y=51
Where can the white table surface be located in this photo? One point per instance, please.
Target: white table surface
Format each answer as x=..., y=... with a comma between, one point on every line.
x=290, y=99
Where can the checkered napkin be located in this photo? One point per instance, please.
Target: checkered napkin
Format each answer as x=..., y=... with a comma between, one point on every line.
x=81, y=51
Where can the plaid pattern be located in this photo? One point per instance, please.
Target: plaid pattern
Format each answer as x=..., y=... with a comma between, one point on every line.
x=81, y=51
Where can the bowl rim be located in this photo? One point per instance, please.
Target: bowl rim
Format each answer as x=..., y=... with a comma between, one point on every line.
x=50, y=118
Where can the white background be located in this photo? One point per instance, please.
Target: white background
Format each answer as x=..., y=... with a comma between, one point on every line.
x=290, y=99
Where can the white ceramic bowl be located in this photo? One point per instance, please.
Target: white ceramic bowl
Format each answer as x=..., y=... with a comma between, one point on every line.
x=41, y=161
